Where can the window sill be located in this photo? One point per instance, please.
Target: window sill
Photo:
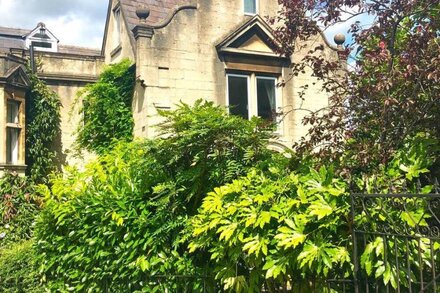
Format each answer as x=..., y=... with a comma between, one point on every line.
x=13, y=125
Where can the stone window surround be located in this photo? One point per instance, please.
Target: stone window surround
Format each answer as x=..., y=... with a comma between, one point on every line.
x=16, y=125
x=117, y=34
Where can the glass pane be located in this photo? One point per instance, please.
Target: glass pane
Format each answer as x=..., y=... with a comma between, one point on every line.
x=266, y=93
x=12, y=112
x=238, y=96
x=12, y=145
x=250, y=6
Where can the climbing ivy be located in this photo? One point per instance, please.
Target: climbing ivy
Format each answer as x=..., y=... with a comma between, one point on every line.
x=106, y=108
x=42, y=129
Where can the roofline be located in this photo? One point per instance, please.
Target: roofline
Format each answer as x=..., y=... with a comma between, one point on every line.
x=107, y=21
x=32, y=30
x=130, y=34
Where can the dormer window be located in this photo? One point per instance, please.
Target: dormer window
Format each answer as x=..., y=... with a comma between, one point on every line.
x=41, y=39
x=250, y=7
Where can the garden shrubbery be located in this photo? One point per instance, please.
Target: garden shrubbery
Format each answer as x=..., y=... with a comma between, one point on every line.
x=19, y=206
x=206, y=199
x=123, y=220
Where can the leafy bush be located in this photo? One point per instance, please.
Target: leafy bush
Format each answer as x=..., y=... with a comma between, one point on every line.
x=120, y=224
x=19, y=269
x=269, y=229
x=19, y=206
x=107, y=116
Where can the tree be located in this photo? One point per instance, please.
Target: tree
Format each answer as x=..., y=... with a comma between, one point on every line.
x=391, y=94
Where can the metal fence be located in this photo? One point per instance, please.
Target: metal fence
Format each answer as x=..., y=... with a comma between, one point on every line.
x=396, y=241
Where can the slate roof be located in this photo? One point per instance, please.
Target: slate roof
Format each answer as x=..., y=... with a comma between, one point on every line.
x=14, y=32
x=159, y=9
x=65, y=49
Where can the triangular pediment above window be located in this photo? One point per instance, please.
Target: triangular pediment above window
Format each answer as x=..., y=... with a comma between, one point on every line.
x=255, y=37
x=17, y=77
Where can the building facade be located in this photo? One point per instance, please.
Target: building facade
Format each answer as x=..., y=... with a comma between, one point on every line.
x=65, y=69
x=183, y=50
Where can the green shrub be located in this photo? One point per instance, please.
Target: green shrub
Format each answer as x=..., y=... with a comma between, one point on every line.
x=121, y=223
x=270, y=228
x=19, y=206
x=19, y=269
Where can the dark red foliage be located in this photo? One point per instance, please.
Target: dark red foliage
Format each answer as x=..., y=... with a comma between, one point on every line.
x=393, y=91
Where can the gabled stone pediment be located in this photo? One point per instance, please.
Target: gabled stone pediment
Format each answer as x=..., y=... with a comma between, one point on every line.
x=17, y=77
x=255, y=37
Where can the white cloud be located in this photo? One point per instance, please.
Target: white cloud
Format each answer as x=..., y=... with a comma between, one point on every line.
x=74, y=30
x=79, y=22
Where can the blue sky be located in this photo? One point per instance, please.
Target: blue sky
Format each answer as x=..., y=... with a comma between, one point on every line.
x=81, y=22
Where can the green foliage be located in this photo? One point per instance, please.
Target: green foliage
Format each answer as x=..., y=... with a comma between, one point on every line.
x=19, y=205
x=272, y=228
x=42, y=129
x=19, y=269
x=106, y=108
x=266, y=229
x=122, y=221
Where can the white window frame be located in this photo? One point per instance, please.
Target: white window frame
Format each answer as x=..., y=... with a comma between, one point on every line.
x=248, y=78
x=257, y=6
x=275, y=80
x=13, y=153
x=252, y=97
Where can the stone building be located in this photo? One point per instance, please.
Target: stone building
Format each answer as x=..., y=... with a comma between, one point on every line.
x=66, y=69
x=183, y=50
x=221, y=51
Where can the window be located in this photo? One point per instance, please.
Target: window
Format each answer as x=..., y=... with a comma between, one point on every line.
x=12, y=137
x=252, y=95
x=12, y=131
x=12, y=112
x=266, y=97
x=250, y=6
x=238, y=94
x=117, y=29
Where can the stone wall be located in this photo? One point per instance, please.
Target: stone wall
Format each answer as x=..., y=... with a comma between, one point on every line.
x=67, y=75
x=180, y=63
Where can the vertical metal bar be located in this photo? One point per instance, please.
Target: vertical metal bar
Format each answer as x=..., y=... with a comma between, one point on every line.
x=32, y=57
x=396, y=251
x=355, y=252
x=408, y=265
x=422, y=285
x=367, y=286
x=434, y=276
x=385, y=256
